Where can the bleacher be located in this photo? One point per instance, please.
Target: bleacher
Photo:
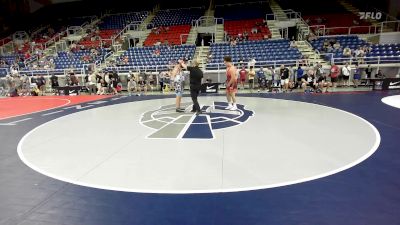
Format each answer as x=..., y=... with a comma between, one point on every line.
x=266, y=50
x=330, y=14
x=243, y=11
x=172, y=17
x=144, y=56
x=110, y=26
x=62, y=61
x=390, y=53
x=119, y=21
x=233, y=28
x=172, y=35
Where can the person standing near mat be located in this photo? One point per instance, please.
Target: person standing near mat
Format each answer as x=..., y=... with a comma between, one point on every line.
x=178, y=78
x=231, y=83
x=195, y=83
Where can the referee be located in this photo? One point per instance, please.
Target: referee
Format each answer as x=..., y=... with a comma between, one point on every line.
x=195, y=83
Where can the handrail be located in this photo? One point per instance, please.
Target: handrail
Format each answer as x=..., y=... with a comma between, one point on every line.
x=125, y=13
x=3, y=41
x=268, y=16
x=181, y=37
x=378, y=60
x=322, y=30
x=196, y=7
x=39, y=30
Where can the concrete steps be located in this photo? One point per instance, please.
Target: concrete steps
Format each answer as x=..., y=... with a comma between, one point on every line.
x=220, y=35
x=307, y=50
x=278, y=11
x=275, y=34
x=192, y=36
x=201, y=55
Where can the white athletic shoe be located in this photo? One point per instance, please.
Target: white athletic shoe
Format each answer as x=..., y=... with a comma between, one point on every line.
x=229, y=107
x=233, y=108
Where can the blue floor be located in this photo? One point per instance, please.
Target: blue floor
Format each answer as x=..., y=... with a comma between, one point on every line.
x=367, y=194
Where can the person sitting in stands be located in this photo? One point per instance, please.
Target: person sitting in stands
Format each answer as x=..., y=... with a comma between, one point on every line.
x=156, y=52
x=380, y=75
x=293, y=44
x=336, y=45
x=347, y=52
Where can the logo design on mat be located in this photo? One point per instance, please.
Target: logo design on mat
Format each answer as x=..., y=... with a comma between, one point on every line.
x=173, y=125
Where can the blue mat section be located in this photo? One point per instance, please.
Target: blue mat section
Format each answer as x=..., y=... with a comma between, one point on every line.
x=202, y=130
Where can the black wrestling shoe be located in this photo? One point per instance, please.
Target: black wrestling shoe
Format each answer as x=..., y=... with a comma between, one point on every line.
x=180, y=110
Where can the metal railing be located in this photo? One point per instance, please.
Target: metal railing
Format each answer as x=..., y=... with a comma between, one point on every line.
x=322, y=30
x=291, y=14
x=393, y=25
x=270, y=16
x=181, y=37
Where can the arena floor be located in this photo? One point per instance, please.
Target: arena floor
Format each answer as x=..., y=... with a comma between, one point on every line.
x=279, y=159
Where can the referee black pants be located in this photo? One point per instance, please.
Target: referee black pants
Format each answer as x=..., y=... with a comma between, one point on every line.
x=194, y=92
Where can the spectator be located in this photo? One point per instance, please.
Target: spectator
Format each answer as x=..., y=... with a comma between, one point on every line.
x=293, y=44
x=252, y=63
x=336, y=46
x=368, y=71
x=308, y=79
x=41, y=84
x=54, y=82
x=92, y=83
x=103, y=86
x=251, y=76
x=132, y=85
x=242, y=76
x=254, y=30
x=261, y=78
x=346, y=75
x=142, y=85
x=334, y=74
x=380, y=75
x=73, y=79
x=356, y=76
x=322, y=83
x=284, y=75
x=347, y=52
x=300, y=73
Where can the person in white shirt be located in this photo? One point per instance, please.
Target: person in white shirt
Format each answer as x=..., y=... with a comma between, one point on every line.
x=346, y=74
x=252, y=63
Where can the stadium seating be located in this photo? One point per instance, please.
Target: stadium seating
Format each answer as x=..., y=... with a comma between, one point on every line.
x=266, y=50
x=62, y=61
x=340, y=22
x=172, y=35
x=5, y=41
x=389, y=52
x=176, y=17
x=233, y=28
x=144, y=56
x=244, y=11
x=119, y=21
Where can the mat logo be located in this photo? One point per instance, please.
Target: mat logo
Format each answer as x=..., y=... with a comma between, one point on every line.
x=169, y=124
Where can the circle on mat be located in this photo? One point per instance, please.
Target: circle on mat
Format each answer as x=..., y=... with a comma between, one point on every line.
x=168, y=123
x=393, y=101
x=288, y=142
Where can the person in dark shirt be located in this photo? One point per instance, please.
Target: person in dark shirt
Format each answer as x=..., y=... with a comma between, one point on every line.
x=196, y=75
x=41, y=83
x=284, y=73
x=54, y=83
